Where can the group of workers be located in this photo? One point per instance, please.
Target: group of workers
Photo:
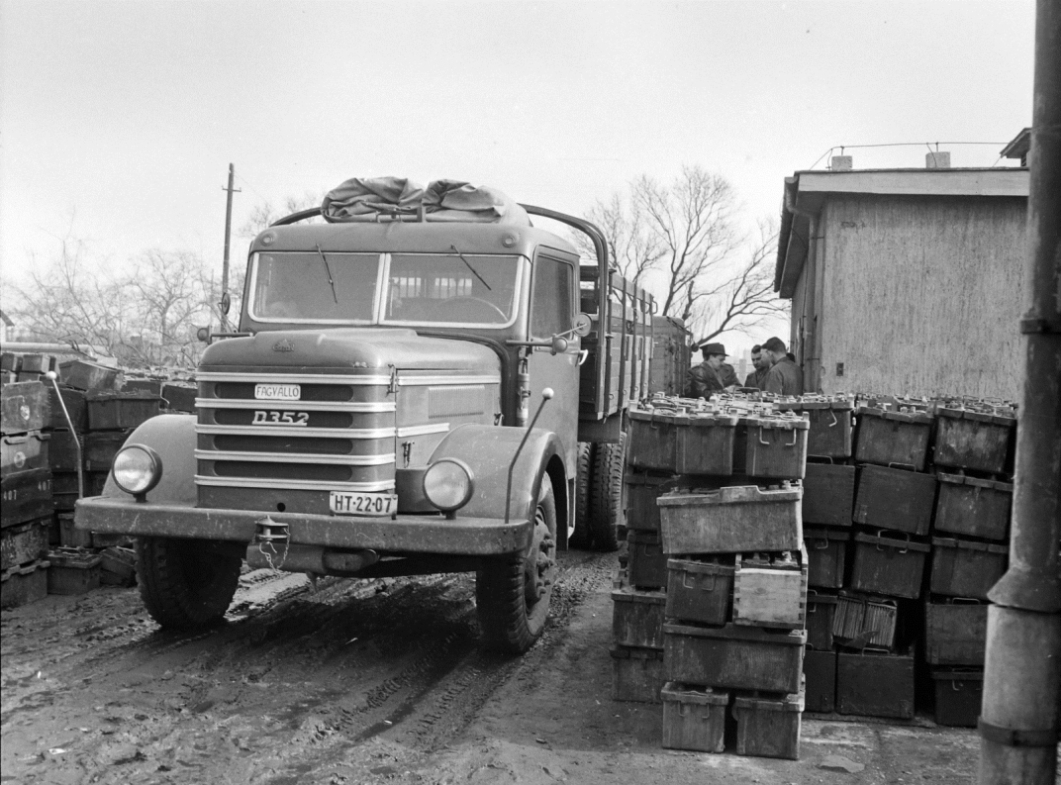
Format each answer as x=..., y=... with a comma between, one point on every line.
x=775, y=371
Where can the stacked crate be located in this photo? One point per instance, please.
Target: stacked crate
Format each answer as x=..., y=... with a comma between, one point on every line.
x=969, y=550
x=734, y=603
x=25, y=515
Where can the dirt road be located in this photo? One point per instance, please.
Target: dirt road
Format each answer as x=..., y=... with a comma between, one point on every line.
x=351, y=681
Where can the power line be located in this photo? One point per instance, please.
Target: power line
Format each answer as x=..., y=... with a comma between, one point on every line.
x=842, y=147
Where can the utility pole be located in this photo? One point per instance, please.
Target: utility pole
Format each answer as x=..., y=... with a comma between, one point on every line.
x=228, y=235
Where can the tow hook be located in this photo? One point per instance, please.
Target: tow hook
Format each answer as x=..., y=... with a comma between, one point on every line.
x=268, y=534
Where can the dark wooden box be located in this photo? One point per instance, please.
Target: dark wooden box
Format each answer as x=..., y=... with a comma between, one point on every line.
x=772, y=446
x=862, y=622
x=27, y=496
x=113, y=411
x=887, y=438
x=705, y=444
x=821, y=610
x=972, y=440
x=826, y=556
x=180, y=396
x=653, y=440
x=699, y=591
x=973, y=507
x=21, y=587
x=101, y=447
x=743, y=658
x=148, y=386
x=768, y=726
x=831, y=426
x=23, y=544
x=637, y=674
x=895, y=499
x=637, y=618
x=73, y=571
x=955, y=633
x=819, y=668
x=85, y=375
x=647, y=564
x=694, y=719
x=828, y=494
x=76, y=405
x=642, y=490
x=25, y=452
x=966, y=568
x=731, y=520
x=24, y=407
x=875, y=684
x=959, y=693
x=884, y=565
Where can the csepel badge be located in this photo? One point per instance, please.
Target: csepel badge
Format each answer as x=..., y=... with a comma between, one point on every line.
x=283, y=345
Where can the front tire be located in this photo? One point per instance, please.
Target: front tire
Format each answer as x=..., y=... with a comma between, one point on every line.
x=512, y=593
x=185, y=584
x=607, y=506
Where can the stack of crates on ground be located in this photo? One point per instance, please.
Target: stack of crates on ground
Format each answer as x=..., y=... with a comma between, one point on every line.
x=969, y=549
x=26, y=478
x=730, y=618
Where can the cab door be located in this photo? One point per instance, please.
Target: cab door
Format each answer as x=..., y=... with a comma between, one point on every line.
x=553, y=299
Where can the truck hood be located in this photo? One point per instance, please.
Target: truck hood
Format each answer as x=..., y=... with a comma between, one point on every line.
x=348, y=350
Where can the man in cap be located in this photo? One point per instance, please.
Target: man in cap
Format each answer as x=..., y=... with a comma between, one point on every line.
x=755, y=378
x=784, y=376
x=712, y=375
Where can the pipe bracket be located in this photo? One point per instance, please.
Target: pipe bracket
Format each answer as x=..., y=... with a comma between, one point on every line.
x=1027, y=590
x=1011, y=737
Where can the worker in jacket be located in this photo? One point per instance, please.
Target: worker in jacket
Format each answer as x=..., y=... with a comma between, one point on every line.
x=784, y=376
x=756, y=377
x=713, y=375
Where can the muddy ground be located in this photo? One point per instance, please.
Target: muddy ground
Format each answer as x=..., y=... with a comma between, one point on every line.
x=371, y=681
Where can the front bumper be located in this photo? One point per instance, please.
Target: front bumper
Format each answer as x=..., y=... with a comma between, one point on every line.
x=406, y=534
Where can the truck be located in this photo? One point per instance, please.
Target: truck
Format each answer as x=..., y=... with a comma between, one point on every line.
x=406, y=392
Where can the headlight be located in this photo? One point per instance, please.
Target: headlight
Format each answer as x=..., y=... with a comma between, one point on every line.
x=448, y=484
x=137, y=469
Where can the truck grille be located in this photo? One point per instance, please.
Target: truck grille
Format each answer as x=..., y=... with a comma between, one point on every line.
x=339, y=435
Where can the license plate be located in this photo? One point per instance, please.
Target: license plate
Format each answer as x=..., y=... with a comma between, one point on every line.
x=374, y=504
x=278, y=392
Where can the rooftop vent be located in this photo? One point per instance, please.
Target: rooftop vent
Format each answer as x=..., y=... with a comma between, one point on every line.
x=841, y=163
x=937, y=160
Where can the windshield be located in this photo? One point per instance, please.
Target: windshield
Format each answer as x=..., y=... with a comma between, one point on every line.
x=314, y=286
x=330, y=287
x=456, y=289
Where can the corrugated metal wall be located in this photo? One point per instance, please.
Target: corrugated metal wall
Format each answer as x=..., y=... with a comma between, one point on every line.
x=922, y=295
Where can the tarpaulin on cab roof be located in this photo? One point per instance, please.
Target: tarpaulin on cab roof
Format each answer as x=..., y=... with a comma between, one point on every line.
x=376, y=198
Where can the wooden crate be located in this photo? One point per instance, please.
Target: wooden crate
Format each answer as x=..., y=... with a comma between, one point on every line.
x=637, y=674
x=699, y=591
x=831, y=420
x=646, y=562
x=826, y=556
x=76, y=405
x=875, y=684
x=895, y=499
x=828, y=494
x=642, y=490
x=731, y=520
x=966, y=568
x=637, y=617
x=888, y=566
x=23, y=585
x=955, y=633
x=771, y=592
x=742, y=658
x=112, y=411
x=893, y=438
x=819, y=670
x=768, y=727
x=772, y=446
x=85, y=375
x=69, y=535
x=694, y=719
x=73, y=571
x=23, y=453
x=101, y=447
x=26, y=496
x=973, y=507
x=861, y=622
x=959, y=693
x=180, y=396
x=705, y=444
x=821, y=611
x=23, y=544
x=977, y=441
x=652, y=442
x=24, y=407
x=62, y=452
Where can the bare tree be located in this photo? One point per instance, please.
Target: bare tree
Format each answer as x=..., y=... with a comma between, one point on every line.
x=265, y=213
x=632, y=247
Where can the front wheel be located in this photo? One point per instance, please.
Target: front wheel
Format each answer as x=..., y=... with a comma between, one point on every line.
x=185, y=583
x=512, y=593
x=607, y=514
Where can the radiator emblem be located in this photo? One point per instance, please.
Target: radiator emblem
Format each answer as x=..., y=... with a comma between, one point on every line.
x=283, y=345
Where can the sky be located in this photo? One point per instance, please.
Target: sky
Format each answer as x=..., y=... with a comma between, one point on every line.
x=118, y=120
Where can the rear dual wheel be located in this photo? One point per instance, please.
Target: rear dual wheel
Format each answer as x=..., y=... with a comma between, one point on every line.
x=600, y=504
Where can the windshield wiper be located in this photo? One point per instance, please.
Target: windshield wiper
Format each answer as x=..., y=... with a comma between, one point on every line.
x=328, y=267
x=481, y=279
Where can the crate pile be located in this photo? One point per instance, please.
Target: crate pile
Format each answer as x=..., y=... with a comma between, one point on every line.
x=710, y=614
x=42, y=551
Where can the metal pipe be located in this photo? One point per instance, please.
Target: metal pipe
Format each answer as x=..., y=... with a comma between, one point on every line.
x=1022, y=676
x=547, y=393
x=53, y=377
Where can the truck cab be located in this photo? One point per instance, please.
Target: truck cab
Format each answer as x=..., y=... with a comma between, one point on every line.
x=404, y=395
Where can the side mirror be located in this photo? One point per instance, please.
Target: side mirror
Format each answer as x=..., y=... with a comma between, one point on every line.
x=583, y=325
x=559, y=345
x=226, y=304
x=203, y=334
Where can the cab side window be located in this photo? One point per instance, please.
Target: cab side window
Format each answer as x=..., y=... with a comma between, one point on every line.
x=551, y=298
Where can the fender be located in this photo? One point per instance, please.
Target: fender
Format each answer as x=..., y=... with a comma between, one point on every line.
x=488, y=451
x=172, y=436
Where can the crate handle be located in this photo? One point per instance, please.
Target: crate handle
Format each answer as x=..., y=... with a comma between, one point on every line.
x=821, y=545
x=828, y=458
x=795, y=438
x=965, y=601
x=899, y=465
x=835, y=421
x=761, y=440
x=687, y=585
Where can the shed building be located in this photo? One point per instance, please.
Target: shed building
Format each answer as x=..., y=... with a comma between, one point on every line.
x=906, y=281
